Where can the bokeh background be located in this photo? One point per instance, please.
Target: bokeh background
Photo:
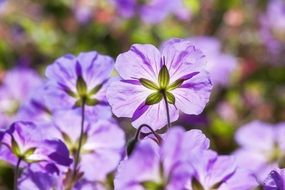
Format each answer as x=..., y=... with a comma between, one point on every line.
x=33, y=33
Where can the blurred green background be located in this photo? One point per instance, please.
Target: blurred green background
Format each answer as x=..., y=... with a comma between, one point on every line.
x=35, y=32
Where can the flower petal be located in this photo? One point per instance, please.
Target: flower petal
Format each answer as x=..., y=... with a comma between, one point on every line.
x=256, y=135
x=143, y=165
x=125, y=97
x=182, y=58
x=141, y=61
x=193, y=95
x=156, y=116
x=96, y=68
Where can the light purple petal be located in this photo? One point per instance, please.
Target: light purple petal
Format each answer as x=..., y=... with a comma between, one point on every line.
x=141, y=61
x=256, y=135
x=125, y=98
x=241, y=179
x=194, y=94
x=143, y=165
x=156, y=116
x=182, y=58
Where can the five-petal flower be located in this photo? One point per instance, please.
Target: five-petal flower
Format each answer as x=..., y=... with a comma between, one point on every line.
x=156, y=82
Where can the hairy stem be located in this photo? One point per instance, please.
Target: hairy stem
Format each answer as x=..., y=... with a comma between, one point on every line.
x=17, y=173
x=147, y=126
x=77, y=156
x=167, y=111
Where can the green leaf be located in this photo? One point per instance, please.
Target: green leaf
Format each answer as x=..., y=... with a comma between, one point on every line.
x=149, y=84
x=95, y=89
x=170, y=98
x=29, y=152
x=196, y=185
x=217, y=185
x=78, y=103
x=71, y=93
x=91, y=102
x=163, y=77
x=15, y=147
x=81, y=87
x=154, y=98
x=84, y=138
x=150, y=185
x=175, y=84
x=66, y=138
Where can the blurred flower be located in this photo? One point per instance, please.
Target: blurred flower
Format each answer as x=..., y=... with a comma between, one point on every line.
x=218, y=172
x=152, y=11
x=165, y=167
x=83, y=10
x=227, y=111
x=17, y=85
x=2, y=6
x=275, y=180
x=38, y=178
x=36, y=109
x=102, y=145
x=73, y=81
x=220, y=65
x=26, y=142
x=262, y=147
x=273, y=26
x=153, y=81
x=234, y=17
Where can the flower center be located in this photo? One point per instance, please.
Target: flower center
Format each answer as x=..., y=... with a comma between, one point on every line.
x=163, y=89
x=82, y=94
x=276, y=155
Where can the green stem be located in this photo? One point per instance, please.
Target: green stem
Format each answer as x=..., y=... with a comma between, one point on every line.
x=77, y=156
x=17, y=173
x=167, y=111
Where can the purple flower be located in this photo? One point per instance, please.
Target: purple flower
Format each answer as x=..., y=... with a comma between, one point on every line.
x=211, y=171
x=273, y=26
x=83, y=11
x=219, y=65
x=151, y=79
x=36, y=109
x=161, y=167
x=26, y=142
x=41, y=178
x=153, y=11
x=262, y=147
x=87, y=185
x=73, y=81
x=275, y=180
x=18, y=84
x=102, y=145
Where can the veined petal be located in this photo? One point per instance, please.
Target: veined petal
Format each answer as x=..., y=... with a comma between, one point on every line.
x=141, y=61
x=63, y=70
x=143, y=165
x=96, y=68
x=193, y=94
x=155, y=116
x=182, y=58
x=125, y=97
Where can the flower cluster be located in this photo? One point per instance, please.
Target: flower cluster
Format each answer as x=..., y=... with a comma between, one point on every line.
x=62, y=134
x=153, y=11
